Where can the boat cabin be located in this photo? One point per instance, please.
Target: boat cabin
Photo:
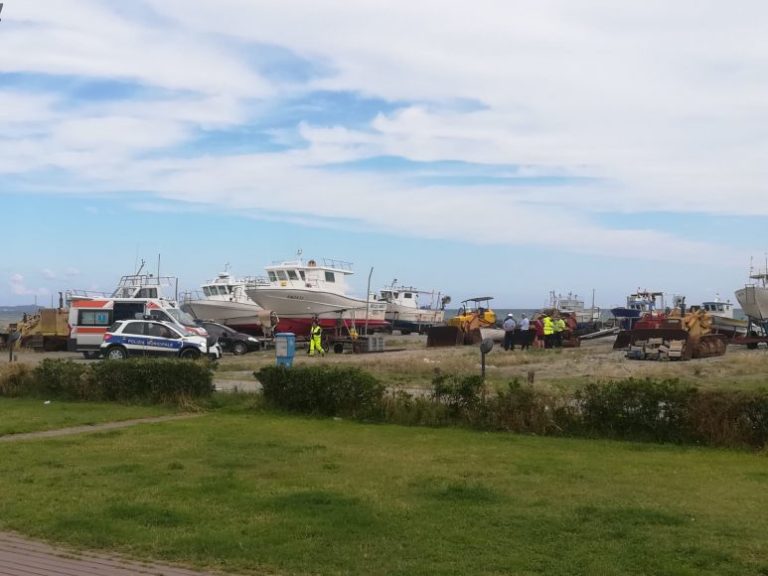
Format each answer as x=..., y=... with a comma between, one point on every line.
x=718, y=308
x=327, y=276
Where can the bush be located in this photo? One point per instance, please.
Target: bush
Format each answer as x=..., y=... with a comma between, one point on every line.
x=461, y=394
x=636, y=409
x=156, y=380
x=64, y=380
x=15, y=380
x=324, y=390
x=523, y=409
x=730, y=418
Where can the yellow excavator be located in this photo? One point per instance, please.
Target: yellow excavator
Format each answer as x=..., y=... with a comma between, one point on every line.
x=475, y=315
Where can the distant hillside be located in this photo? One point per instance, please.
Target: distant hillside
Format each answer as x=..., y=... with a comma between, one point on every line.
x=9, y=314
x=28, y=308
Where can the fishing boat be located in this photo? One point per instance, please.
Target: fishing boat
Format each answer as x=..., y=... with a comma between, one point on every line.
x=753, y=298
x=299, y=291
x=406, y=313
x=723, y=318
x=574, y=305
x=639, y=304
x=225, y=300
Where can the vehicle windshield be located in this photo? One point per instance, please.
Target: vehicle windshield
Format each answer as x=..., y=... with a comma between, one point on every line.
x=180, y=316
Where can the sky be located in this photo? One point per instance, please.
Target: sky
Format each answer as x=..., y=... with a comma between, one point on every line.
x=503, y=148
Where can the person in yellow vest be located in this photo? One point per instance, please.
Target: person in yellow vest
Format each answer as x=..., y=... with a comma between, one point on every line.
x=559, y=327
x=549, y=330
x=316, y=339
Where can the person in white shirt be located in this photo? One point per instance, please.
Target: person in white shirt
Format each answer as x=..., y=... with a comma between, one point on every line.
x=525, y=335
x=509, y=326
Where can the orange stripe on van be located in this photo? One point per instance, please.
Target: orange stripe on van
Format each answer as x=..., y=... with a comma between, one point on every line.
x=90, y=303
x=91, y=329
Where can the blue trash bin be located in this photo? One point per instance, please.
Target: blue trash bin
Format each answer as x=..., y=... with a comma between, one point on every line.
x=285, y=348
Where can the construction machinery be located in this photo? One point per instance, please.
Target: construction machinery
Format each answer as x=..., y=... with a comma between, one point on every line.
x=474, y=322
x=47, y=330
x=676, y=335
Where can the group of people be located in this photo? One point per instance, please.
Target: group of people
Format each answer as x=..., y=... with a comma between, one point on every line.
x=544, y=331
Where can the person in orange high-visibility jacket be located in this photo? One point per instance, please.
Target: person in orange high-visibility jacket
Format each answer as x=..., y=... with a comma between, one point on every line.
x=316, y=339
x=549, y=330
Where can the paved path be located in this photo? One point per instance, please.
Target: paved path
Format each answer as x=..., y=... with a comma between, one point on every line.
x=22, y=557
x=93, y=428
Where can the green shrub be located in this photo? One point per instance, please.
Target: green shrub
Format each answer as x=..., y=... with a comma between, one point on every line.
x=325, y=390
x=523, y=409
x=156, y=380
x=730, y=418
x=636, y=409
x=15, y=380
x=64, y=380
x=460, y=393
x=400, y=407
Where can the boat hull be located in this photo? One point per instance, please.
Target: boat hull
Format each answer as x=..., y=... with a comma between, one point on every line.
x=754, y=302
x=729, y=326
x=297, y=308
x=412, y=319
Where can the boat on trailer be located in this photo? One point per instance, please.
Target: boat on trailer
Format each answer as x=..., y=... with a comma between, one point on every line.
x=753, y=298
x=225, y=300
x=406, y=313
x=723, y=318
x=300, y=291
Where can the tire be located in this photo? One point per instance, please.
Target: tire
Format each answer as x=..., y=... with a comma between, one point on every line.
x=116, y=353
x=189, y=354
x=239, y=348
x=338, y=348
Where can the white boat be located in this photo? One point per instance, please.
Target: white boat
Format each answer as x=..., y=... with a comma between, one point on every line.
x=723, y=320
x=299, y=291
x=753, y=298
x=406, y=313
x=572, y=304
x=225, y=300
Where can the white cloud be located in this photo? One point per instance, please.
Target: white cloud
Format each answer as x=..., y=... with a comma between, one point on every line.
x=18, y=287
x=661, y=103
x=48, y=273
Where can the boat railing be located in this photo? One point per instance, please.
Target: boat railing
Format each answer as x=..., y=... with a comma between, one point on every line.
x=137, y=281
x=338, y=264
x=84, y=294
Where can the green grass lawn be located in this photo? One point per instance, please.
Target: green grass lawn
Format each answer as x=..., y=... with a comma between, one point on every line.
x=284, y=495
x=26, y=415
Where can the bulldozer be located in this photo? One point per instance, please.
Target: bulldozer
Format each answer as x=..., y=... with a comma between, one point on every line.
x=47, y=330
x=675, y=335
x=474, y=321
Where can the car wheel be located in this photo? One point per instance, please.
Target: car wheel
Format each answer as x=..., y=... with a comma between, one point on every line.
x=239, y=348
x=117, y=353
x=189, y=354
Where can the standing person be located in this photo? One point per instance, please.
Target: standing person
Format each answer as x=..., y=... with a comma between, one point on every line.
x=525, y=329
x=316, y=339
x=549, y=330
x=509, y=332
x=559, y=326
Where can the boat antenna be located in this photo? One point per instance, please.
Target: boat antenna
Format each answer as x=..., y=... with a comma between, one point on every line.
x=141, y=266
x=158, y=267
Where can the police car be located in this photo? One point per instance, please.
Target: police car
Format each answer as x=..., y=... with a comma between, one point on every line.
x=151, y=338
